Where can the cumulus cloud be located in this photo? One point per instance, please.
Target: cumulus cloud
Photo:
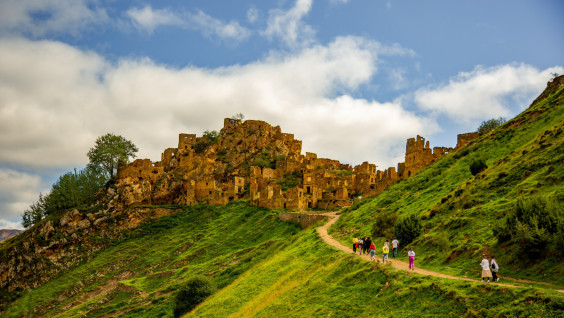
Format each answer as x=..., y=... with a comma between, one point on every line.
x=17, y=191
x=148, y=19
x=41, y=17
x=486, y=92
x=288, y=25
x=54, y=107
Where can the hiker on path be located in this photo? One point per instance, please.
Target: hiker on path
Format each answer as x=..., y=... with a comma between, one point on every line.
x=485, y=269
x=367, y=244
x=411, y=255
x=360, y=243
x=395, y=245
x=385, y=251
x=355, y=244
x=495, y=268
x=372, y=251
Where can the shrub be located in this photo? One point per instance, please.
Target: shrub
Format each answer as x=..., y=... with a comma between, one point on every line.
x=491, y=124
x=408, y=229
x=534, y=225
x=200, y=146
x=384, y=225
x=477, y=166
x=212, y=137
x=196, y=290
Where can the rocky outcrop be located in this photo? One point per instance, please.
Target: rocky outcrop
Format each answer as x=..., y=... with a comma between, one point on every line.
x=55, y=244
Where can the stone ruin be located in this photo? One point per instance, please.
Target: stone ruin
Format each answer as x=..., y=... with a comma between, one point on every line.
x=253, y=160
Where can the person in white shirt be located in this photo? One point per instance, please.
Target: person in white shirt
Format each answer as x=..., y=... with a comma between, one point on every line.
x=411, y=255
x=485, y=269
x=495, y=269
x=395, y=245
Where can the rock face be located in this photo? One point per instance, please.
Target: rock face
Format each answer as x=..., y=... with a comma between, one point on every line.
x=40, y=253
x=253, y=160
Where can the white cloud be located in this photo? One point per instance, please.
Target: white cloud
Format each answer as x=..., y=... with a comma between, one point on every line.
x=10, y=225
x=40, y=17
x=288, y=25
x=17, y=191
x=55, y=100
x=486, y=93
x=252, y=15
x=148, y=19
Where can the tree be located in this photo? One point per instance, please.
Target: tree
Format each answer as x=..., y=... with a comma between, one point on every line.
x=71, y=190
x=111, y=151
x=491, y=124
x=35, y=213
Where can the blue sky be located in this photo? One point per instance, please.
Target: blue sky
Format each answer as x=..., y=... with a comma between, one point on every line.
x=353, y=79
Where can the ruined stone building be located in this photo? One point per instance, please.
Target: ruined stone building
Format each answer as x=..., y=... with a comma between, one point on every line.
x=254, y=160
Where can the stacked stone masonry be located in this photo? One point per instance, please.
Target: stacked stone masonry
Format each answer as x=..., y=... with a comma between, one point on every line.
x=254, y=160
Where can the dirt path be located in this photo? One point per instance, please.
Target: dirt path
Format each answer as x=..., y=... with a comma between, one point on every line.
x=322, y=230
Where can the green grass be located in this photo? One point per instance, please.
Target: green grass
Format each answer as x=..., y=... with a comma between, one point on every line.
x=307, y=278
x=459, y=210
x=156, y=258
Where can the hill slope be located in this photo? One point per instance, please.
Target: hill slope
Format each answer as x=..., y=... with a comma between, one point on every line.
x=460, y=212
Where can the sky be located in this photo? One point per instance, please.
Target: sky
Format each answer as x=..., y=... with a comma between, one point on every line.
x=352, y=79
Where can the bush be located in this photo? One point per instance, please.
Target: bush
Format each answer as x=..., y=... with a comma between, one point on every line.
x=212, y=137
x=197, y=289
x=408, y=229
x=477, y=166
x=200, y=146
x=491, y=124
x=534, y=225
x=384, y=225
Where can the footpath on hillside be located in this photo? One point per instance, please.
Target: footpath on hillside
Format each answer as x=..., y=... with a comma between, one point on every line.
x=322, y=230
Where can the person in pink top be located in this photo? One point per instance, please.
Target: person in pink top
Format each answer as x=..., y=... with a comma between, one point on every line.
x=411, y=255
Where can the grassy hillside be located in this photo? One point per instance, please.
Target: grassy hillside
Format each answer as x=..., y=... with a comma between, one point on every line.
x=263, y=268
x=460, y=212
x=138, y=275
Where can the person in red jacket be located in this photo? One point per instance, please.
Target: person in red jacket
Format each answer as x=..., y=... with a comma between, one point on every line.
x=372, y=251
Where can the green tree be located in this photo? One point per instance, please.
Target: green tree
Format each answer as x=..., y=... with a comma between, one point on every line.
x=35, y=213
x=491, y=124
x=71, y=190
x=212, y=137
x=110, y=151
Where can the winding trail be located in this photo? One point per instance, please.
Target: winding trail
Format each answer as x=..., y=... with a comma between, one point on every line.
x=334, y=216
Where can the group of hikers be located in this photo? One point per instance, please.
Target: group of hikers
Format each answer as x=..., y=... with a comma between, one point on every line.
x=365, y=245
